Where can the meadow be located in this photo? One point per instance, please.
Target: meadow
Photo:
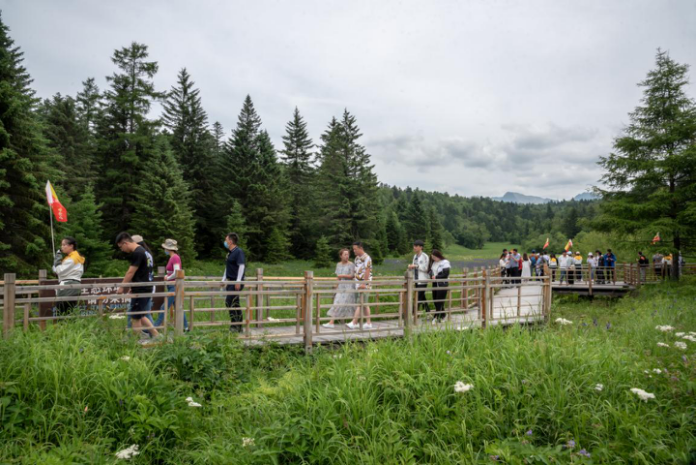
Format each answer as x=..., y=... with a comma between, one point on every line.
x=81, y=392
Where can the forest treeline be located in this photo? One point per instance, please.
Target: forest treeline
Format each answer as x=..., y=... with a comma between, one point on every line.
x=181, y=175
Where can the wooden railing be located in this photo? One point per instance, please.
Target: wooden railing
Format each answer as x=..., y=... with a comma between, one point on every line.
x=278, y=308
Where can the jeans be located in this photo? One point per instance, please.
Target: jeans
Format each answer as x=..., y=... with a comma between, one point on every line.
x=421, y=300
x=169, y=303
x=232, y=302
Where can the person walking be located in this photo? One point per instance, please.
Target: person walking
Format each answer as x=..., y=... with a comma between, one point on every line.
x=344, y=300
x=539, y=265
x=526, y=268
x=601, y=267
x=440, y=269
x=610, y=263
x=592, y=266
x=235, y=265
x=577, y=265
x=553, y=266
x=667, y=266
x=171, y=248
x=139, y=271
x=68, y=266
x=420, y=266
x=564, y=265
x=138, y=239
x=363, y=278
x=643, y=264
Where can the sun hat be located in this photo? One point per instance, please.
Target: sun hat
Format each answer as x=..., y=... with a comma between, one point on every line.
x=589, y=254
x=170, y=244
x=137, y=238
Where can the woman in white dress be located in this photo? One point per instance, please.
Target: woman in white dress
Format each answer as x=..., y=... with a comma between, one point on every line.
x=343, y=304
x=526, y=267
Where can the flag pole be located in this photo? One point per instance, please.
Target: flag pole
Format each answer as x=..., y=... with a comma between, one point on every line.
x=53, y=239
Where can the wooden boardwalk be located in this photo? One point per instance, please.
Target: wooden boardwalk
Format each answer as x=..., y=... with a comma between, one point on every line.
x=504, y=311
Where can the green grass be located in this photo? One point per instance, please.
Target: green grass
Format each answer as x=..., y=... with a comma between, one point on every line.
x=386, y=402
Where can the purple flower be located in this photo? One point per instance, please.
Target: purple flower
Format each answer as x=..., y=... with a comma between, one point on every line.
x=684, y=358
x=584, y=453
x=594, y=321
x=570, y=444
x=495, y=457
x=120, y=402
x=608, y=325
x=82, y=349
x=529, y=433
x=584, y=324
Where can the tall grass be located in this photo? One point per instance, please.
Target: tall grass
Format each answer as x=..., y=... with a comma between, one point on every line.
x=534, y=396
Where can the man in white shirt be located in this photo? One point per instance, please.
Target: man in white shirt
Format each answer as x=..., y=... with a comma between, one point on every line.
x=419, y=265
x=564, y=264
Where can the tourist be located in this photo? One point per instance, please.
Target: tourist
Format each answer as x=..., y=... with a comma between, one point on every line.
x=540, y=262
x=592, y=266
x=610, y=263
x=526, y=268
x=139, y=271
x=420, y=266
x=171, y=247
x=510, y=267
x=577, y=265
x=657, y=263
x=643, y=264
x=363, y=276
x=532, y=262
x=667, y=266
x=553, y=266
x=440, y=270
x=502, y=263
x=601, y=267
x=138, y=239
x=344, y=301
x=516, y=267
x=68, y=266
x=564, y=264
x=235, y=265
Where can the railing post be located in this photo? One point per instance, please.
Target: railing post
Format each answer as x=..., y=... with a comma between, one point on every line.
x=465, y=290
x=8, y=304
x=309, y=290
x=259, y=297
x=484, y=298
x=408, y=308
x=43, y=276
x=179, y=303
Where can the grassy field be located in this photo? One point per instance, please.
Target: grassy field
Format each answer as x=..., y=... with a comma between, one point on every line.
x=81, y=392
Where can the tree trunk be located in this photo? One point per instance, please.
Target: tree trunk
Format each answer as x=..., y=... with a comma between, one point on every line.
x=676, y=256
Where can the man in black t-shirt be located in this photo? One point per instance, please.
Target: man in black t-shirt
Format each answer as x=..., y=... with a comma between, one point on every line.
x=139, y=271
x=235, y=264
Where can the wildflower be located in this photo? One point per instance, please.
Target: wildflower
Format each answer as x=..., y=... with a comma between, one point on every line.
x=125, y=358
x=117, y=316
x=563, y=321
x=247, y=442
x=684, y=358
x=599, y=387
x=608, y=325
x=449, y=353
x=679, y=334
x=570, y=444
x=662, y=344
x=461, y=387
x=680, y=345
x=86, y=408
x=82, y=349
x=664, y=328
x=529, y=432
x=644, y=396
x=120, y=402
x=495, y=458
x=594, y=321
x=192, y=403
x=584, y=453
x=272, y=319
x=128, y=453
x=689, y=337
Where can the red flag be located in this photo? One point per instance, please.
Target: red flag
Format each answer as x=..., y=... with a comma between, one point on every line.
x=568, y=245
x=59, y=210
x=546, y=244
x=656, y=239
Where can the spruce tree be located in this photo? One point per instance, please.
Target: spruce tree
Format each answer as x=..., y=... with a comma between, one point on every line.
x=297, y=157
x=163, y=202
x=277, y=247
x=651, y=175
x=125, y=136
x=196, y=151
x=395, y=233
x=24, y=168
x=416, y=220
x=236, y=223
x=323, y=257
x=436, y=241
x=89, y=105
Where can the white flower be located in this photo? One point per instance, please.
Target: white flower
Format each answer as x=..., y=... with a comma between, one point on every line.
x=192, y=403
x=662, y=344
x=461, y=387
x=270, y=318
x=189, y=399
x=664, y=328
x=125, y=358
x=128, y=453
x=563, y=321
x=657, y=370
x=689, y=337
x=644, y=396
x=680, y=345
x=247, y=442
x=599, y=387
x=679, y=334
x=117, y=316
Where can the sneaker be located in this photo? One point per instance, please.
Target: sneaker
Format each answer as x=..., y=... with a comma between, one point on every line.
x=435, y=322
x=352, y=326
x=328, y=325
x=367, y=326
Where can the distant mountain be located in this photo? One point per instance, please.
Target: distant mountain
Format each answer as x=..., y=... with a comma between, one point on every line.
x=514, y=197
x=587, y=196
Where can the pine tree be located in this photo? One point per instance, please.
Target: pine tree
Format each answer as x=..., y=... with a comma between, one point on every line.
x=395, y=234
x=125, y=135
x=236, y=223
x=416, y=220
x=297, y=157
x=89, y=105
x=163, y=202
x=436, y=242
x=24, y=167
x=196, y=151
x=322, y=253
x=651, y=176
x=85, y=226
x=277, y=247
x=570, y=223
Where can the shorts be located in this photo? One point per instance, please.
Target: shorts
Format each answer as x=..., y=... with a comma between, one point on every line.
x=139, y=304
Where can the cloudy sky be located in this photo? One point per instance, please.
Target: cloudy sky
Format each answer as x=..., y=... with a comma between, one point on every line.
x=469, y=97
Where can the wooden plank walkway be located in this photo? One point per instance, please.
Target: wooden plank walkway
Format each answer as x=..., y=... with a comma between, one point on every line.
x=504, y=312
